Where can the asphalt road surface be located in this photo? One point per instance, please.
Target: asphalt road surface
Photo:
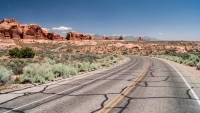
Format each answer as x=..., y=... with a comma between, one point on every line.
x=140, y=85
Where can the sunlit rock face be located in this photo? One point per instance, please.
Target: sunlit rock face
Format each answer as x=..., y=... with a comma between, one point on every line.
x=78, y=36
x=11, y=29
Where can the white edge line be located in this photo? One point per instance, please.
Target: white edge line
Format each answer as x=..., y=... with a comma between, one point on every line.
x=194, y=94
x=67, y=89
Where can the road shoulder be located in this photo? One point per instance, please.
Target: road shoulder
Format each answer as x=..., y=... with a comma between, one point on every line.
x=9, y=94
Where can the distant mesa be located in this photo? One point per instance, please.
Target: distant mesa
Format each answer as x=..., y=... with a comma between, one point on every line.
x=11, y=29
x=78, y=36
x=140, y=39
x=111, y=38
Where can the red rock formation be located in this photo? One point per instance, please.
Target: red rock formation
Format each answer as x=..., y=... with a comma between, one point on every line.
x=110, y=38
x=120, y=38
x=77, y=36
x=140, y=39
x=11, y=29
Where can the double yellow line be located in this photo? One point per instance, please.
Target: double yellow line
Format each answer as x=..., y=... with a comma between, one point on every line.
x=120, y=96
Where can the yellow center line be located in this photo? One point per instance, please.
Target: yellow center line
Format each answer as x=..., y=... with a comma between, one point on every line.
x=108, y=107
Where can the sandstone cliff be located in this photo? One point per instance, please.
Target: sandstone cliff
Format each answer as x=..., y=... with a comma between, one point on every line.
x=11, y=29
x=78, y=36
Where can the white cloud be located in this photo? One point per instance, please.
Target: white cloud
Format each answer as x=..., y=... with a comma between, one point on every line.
x=46, y=29
x=160, y=33
x=64, y=32
x=116, y=35
x=89, y=34
x=62, y=28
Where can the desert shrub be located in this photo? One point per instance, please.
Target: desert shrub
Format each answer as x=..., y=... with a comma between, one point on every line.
x=5, y=75
x=85, y=67
x=124, y=53
x=24, y=52
x=37, y=73
x=47, y=71
x=191, y=63
x=186, y=59
x=122, y=57
x=17, y=80
x=49, y=61
x=105, y=63
x=198, y=65
x=177, y=59
x=16, y=64
x=15, y=53
x=95, y=66
x=61, y=70
x=73, y=70
x=115, y=60
x=27, y=52
x=192, y=60
x=29, y=73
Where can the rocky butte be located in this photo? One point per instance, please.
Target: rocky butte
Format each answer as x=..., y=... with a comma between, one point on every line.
x=110, y=38
x=140, y=39
x=11, y=29
x=78, y=36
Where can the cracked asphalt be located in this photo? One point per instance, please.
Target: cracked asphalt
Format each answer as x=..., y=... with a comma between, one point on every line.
x=162, y=90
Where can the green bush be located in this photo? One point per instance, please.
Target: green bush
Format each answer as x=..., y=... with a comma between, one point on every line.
x=5, y=75
x=105, y=63
x=46, y=71
x=27, y=52
x=95, y=66
x=37, y=73
x=191, y=63
x=198, y=65
x=62, y=65
x=85, y=67
x=124, y=53
x=17, y=80
x=24, y=52
x=60, y=70
x=73, y=70
x=15, y=53
x=49, y=61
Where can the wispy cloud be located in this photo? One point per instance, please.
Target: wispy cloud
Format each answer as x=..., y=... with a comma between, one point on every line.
x=89, y=34
x=64, y=32
x=62, y=28
x=160, y=33
x=46, y=29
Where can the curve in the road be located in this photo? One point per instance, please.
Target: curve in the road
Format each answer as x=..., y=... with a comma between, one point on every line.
x=81, y=85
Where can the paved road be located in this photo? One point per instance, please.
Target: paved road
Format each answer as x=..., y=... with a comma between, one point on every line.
x=161, y=90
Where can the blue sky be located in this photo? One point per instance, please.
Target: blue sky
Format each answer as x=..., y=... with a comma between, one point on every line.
x=161, y=19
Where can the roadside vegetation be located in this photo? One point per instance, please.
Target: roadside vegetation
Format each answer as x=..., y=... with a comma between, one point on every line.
x=188, y=59
x=40, y=66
